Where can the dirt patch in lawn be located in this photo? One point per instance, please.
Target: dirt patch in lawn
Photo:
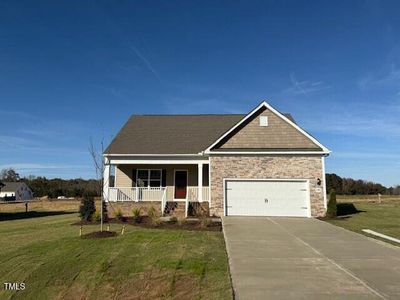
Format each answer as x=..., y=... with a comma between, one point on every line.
x=99, y=234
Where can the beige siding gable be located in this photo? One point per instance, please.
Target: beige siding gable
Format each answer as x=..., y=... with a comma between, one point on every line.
x=279, y=134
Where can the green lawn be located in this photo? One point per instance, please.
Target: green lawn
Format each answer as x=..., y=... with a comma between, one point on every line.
x=383, y=218
x=54, y=262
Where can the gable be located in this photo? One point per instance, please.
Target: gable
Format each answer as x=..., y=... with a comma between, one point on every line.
x=13, y=186
x=279, y=135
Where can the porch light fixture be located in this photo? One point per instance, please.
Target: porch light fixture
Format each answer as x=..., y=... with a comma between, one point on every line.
x=318, y=181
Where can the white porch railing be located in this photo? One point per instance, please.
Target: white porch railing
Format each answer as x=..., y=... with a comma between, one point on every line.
x=186, y=207
x=118, y=194
x=163, y=194
x=163, y=202
x=193, y=193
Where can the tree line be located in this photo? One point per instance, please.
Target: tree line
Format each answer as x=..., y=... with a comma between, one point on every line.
x=53, y=188
x=349, y=186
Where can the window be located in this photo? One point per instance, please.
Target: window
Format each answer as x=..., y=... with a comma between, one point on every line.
x=263, y=121
x=148, y=178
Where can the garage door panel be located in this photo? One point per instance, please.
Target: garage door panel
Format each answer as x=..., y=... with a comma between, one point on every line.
x=266, y=198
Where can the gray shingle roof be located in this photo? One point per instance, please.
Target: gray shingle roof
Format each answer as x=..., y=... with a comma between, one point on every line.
x=171, y=134
x=11, y=186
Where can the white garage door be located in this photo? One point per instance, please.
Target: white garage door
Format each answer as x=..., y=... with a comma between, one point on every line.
x=266, y=198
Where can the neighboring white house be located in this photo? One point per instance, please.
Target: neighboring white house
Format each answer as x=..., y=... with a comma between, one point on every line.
x=16, y=191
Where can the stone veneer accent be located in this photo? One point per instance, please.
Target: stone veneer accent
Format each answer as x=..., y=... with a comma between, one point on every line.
x=273, y=166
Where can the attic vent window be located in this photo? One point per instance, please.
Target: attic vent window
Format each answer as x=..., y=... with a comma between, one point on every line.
x=263, y=121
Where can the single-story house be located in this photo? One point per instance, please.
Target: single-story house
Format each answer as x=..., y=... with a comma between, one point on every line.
x=17, y=191
x=258, y=164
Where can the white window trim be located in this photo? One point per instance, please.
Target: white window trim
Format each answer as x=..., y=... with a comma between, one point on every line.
x=148, y=177
x=266, y=105
x=264, y=121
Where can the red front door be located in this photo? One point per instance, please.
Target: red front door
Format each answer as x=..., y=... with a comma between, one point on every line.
x=180, y=184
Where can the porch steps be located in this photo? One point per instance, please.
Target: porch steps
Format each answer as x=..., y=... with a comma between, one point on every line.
x=175, y=209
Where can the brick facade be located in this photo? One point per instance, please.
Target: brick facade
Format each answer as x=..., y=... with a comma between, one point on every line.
x=272, y=166
x=127, y=207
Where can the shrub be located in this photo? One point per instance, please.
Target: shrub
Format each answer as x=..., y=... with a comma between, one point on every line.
x=152, y=213
x=200, y=211
x=87, y=208
x=332, y=206
x=119, y=215
x=136, y=215
x=182, y=222
x=96, y=217
x=156, y=222
x=205, y=222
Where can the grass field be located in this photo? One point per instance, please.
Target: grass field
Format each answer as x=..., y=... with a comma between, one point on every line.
x=381, y=217
x=367, y=198
x=47, y=254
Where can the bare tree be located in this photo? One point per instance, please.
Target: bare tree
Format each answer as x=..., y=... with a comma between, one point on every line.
x=98, y=163
x=9, y=175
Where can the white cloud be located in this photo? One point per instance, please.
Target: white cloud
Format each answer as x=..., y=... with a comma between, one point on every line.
x=388, y=79
x=179, y=105
x=362, y=126
x=38, y=166
x=52, y=170
x=16, y=142
x=357, y=119
x=367, y=155
x=305, y=87
x=145, y=61
x=16, y=114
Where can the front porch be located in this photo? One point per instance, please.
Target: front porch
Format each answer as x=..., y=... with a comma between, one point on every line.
x=122, y=194
x=177, y=183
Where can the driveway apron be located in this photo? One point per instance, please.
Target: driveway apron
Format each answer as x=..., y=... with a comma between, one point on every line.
x=300, y=258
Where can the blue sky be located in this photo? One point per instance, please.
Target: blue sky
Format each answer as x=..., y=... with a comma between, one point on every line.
x=71, y=71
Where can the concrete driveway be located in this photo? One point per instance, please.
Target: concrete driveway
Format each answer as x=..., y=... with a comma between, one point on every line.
x=295, y=258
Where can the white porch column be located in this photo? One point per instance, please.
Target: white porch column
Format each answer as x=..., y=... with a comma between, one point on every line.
x=106, y=180
x=200, y=182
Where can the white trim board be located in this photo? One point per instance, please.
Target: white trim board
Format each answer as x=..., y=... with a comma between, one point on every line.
x=153, y=155
x=270, y=152
x=267, y=106
x=324, y=182
x=132, y=161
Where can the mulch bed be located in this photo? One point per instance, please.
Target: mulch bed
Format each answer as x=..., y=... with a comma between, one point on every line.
x=195, y=225
x=146, y=222
x=99, y=235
